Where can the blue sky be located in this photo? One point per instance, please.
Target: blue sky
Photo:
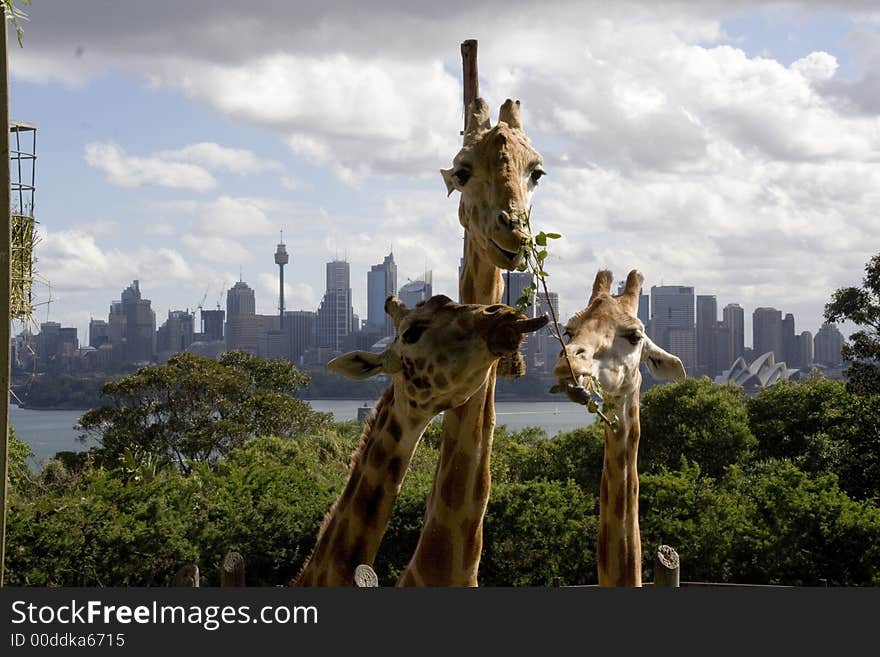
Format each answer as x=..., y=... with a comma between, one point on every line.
x=730, y=149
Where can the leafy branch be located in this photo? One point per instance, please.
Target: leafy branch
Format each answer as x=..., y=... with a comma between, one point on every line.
x=587, y=391
x=15, y=14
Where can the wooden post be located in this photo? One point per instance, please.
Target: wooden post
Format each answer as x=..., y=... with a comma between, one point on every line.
x=5, y=292
x=187, y=576
x=667, y=567
x=365, y=577
x=470, y=79
x=232, y=571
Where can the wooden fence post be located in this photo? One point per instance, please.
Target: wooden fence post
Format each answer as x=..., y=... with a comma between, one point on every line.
x=667, y=567
x=232, y=571
x=470, y=78
x=187, y=576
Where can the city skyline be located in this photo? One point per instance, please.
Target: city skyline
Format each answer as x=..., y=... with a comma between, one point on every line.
x=723, y=146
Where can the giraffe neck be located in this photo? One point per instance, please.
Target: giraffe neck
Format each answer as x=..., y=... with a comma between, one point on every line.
x=353, y=528
x=619, y=549
x=448, y=552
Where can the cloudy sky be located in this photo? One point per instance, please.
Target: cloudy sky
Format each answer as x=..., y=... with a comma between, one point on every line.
x=733, y=146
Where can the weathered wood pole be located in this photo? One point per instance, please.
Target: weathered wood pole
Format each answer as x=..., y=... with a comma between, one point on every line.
x=187, y=576
x=667, y=567
x=470, y=79
x=232, y=571
x=365, y=577
x=5, y=293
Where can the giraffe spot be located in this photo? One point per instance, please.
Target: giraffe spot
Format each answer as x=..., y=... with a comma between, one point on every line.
x=452, y=493
x=633, y=411
x=602, y=547
x=472, y=544
x=442, y=359
x=377, y=455
x=368, y=501
x=619, y=502
x=383, y=417
x=358, y=554
x=440, y=380
x=420, y=363
x=435, y=558
x=624, y=565
x=621, y=459
x=394, y=429
x=421, y=383
x=603, y=492
x=341, y=550
x=350, y=488
x=395, y=466
x=430, y=369
x=410, y=389
x=413, y=403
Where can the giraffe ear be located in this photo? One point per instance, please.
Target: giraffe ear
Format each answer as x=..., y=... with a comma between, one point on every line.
x=449, y=180
x=357, y=364
x=662, y=365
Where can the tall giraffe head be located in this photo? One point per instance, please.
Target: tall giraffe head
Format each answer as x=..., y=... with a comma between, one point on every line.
x=496, y=172
x=443, y=351
x=607, y=340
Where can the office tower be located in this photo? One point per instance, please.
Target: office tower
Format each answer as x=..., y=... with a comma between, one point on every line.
x=417, y=290
x=672, y=322
x=335, y=315
x=55, y=345
x=707, y=319
x=139, y=330
x=545, y=343
x=734, y=320
x=176, y=333
x=514, y=284
x=281, y=259
x=805, y=349
x=299, y=330
x=212, y=324
x=98, y=333
x=767, y=332
x=827, y=345
x=790, y=351
x=241, y=320
x=381, y=283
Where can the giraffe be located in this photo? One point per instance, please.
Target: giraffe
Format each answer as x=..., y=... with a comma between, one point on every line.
x=496, y=171
x=441, y=355
x=608, y=341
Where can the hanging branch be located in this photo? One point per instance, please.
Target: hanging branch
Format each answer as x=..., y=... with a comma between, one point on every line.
x=588, y=389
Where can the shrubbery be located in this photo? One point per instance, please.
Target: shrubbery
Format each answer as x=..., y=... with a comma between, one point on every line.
x=762, y=490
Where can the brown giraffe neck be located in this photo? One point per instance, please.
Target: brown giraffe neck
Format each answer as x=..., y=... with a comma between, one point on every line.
x=619, y=548
x=353, y=529
x=448, y=552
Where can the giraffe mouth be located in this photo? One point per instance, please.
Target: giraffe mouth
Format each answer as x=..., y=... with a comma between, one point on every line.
x=510, y=258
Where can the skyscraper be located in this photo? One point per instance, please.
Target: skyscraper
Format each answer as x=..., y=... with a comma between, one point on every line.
x=335, y=314
x=805, y=348
x=707, y=320
x=672, y=322
x=140, y=324
x=790, y=351
x=381, y=283
x=176, y=333
x=241, y=321
x=514, y=284
x=767, y=332
x=418, y=290
x=734, y=320
x=827, y=345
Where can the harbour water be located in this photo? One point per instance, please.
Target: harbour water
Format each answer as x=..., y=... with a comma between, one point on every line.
x=48, y=432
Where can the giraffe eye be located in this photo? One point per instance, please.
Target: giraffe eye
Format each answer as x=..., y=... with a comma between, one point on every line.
x=413, y=333
x=462, y=176
x=537, y=172
x=633, y=338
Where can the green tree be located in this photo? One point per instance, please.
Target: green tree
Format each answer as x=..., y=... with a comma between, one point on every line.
x=861, y=305
x=697, y=419
x=195, y=408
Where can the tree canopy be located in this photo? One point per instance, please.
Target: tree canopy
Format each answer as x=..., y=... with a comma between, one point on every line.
x=197, y=409
x=861, y=305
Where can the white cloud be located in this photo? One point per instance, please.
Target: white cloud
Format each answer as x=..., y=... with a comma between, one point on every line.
x=297, y=295
x=220, y=158
x=131, y=171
